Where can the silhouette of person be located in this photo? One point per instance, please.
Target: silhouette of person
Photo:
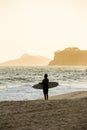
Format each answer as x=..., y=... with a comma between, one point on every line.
x=45, y=82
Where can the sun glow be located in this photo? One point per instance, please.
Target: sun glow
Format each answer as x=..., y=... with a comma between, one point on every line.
x=41, y=27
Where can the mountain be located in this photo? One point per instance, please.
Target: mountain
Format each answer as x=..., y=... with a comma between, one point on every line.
x=27, y=60
x=70, y=56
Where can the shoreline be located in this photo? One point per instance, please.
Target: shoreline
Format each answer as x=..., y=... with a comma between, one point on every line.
x=67, y=111
x=71, y=95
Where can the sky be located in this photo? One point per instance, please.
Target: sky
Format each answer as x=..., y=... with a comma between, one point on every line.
x=41, y=27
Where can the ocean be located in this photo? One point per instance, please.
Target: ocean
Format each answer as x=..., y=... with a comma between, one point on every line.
x=16, y=82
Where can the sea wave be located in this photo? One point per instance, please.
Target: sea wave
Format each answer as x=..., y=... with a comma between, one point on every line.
x=16, y=82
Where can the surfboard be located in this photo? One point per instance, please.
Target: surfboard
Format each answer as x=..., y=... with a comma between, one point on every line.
x=50, y=85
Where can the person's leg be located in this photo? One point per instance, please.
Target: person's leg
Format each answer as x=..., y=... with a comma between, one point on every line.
x=45, y=96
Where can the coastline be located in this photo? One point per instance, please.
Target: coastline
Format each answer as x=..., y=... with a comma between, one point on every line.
x=71, y=95
x=67, y=111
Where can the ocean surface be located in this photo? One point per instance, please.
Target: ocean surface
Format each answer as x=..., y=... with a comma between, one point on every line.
x=16, y=82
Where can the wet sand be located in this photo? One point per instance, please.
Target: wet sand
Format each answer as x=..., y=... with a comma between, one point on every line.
x=64, y=112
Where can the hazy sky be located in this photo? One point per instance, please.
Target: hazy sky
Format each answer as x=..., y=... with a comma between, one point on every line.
x=41, y=27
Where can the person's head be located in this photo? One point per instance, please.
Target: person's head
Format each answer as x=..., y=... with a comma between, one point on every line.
x=46, y=75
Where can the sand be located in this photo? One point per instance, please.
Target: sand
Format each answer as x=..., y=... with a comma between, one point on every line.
x=73, y=95
x=64, y=112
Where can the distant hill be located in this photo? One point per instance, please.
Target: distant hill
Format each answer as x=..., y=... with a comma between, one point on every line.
x=70, y=56
x=27, y=60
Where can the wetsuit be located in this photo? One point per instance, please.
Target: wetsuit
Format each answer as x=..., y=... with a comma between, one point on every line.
x=45, y=85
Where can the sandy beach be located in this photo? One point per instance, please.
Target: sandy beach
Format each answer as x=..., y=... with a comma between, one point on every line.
x=64, y=112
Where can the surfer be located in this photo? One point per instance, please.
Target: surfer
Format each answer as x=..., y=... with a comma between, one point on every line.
x=45, y=82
